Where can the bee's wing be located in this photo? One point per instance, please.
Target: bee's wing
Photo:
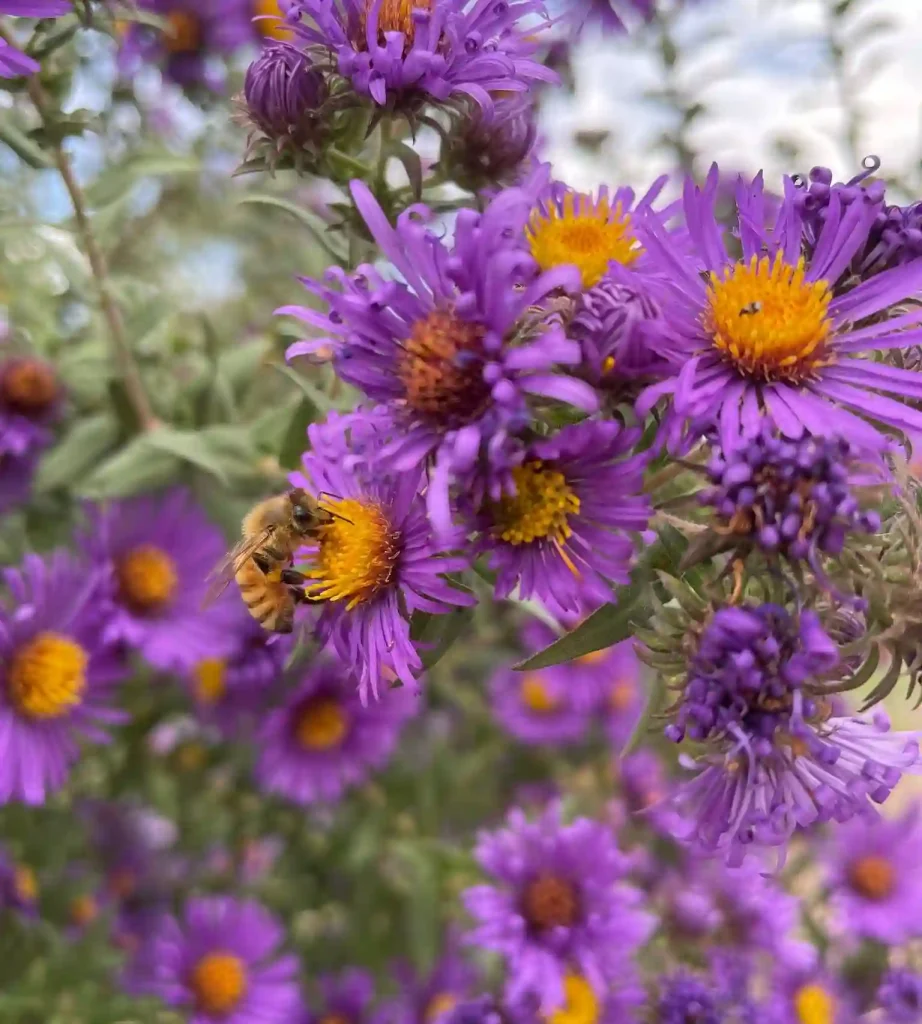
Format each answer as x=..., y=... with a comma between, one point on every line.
x=227, y=568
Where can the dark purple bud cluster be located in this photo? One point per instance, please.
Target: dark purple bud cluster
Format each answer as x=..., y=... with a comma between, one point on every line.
x=900, y=996
x=792, y=498
x=482, y=151
x=895, y=236
x=747, y=678
x=686, y=998
x=284, y=95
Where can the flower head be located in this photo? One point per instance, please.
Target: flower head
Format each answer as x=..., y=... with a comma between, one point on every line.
x=602, y=15
x=556, y=905
x=16, y=473
x=13, y=62
x=345, y=998
x=432, y=998
x=872, y=871
x=403, y=53
x=30, y=399
x=219, y=963
x=19, y=888
x=776, y=755
x=564, y=535
x=537, y=708
x=325, y=739
x=766, y=334
x=56, y=674
x=488, y=151
x=900, y=996
x=155, y=553
x=436, y=351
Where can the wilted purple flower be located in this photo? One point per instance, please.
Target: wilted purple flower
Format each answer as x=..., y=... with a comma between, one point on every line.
x=56, y=674
x=30, y=398
x=13, y=62
x=557, y=904
x=284, y=94
x=347, y=997
x=325, y=739
x=777, y=755
x=490, y=151
x=230, y=689
x=872, y=870
x=564, y=536
x=537, y=708
x=766, y=335
x=790, y=497
x=404, y=54
x=900, y=996
x=437, y=351
x=155, y=554
x=220, y=964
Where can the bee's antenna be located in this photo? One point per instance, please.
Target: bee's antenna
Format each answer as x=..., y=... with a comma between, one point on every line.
x=330, y=511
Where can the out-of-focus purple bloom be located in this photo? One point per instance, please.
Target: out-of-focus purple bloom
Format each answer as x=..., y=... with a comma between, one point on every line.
x=231, y=689
x=345, y=997
x=492, y=151
x=155, y=554
x=779, y=757
x=872, y=869
x=900, y=996
x=13, y=62
x=404, y=54
x=326, y=739
x=19, y=889
x=564, y=536
x=57, y=675
x=30, y=399
x=372, y=566
x=557, y=903
x=798, y=996
x=16, y=473
x=684, y=997
x=766, y=334
x=220, y=964
x=432, y=998
x=436, y=350
x=600, y=14
x=537, y=708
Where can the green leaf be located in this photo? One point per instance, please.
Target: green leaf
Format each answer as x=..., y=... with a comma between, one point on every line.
x=423, y=922
x=138, y=467
x=411, y=164
x=309, y=220
x=448, y=628
x=194, y=447
x=77, y=452
x=27, y=150
x=321, y=401
x=656, y=692
x=240, y=363
x=295, y=443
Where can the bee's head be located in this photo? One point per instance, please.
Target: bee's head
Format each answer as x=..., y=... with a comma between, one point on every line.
x=303, y=508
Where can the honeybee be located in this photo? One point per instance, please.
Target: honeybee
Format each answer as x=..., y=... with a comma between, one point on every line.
x=261, y=562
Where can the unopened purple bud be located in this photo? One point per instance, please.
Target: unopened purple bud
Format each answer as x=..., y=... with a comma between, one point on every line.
x=284, y=94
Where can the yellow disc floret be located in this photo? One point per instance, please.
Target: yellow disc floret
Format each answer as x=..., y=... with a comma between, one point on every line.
x=767, y=320
x=321, y=724
x=582, y=1004
x=210, y=680
x=393, y=16
x=218, y=982
x=584, y=232
x=536, y=695
x=270, y=22
x=47, y=676
x=356, y=553
x=147, y=579
x=814, y=1005
x=872, y=877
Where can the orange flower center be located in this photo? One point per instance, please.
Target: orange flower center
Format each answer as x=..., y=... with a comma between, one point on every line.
x=47, y=676
x=147, y=579
x=440, y=1004
x=322, y=724
x=183, y=32
x=393, y=16
x=536, y=695
x=28, y=386
x=83, y=910
x=218, y=983
x=270, y=23
x=872, y=877
x=550, y=902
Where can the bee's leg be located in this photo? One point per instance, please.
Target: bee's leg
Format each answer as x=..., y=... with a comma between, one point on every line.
x=274, y=553
x=293, y=578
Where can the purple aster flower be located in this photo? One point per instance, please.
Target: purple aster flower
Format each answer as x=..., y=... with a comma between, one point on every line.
x=220, y=964
x=563, y=536
x=373, y=565
x=16, y=474
x=685, y=997
x=490, y=151
x=449, y=352
x=537, y=708
x=406, y=53
x=196, y=32
x=231, y=689
x=155, y=553
x=796, y=498
x=872, y=869
x=30, y=399
x=777, y=756
x=766, y=335
x=600, y=14
x=557, y=905
x=56, y=674
x=432, y=998
x=345, y=998
x=19, y=889
x=900, y=996
x=14, y=63
x=325, y=739
x=801, y=996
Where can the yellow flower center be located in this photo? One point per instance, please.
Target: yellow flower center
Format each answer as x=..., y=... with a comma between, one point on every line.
x=393, y=16
x=872, y=877
x=183, y=32
x=25, y=884
x=210, y=680
x=535, y=694
x=47, y=676
x=585, y=232
x=147, y=579
x=814, y=1005
x=621, y=695
x=218, y=983
x=272, y=27
x=333, y=1018
x=322, y=724
x=767, y=320
x=83, y=910
x=582, y=1004
x=441, y=368
x=356, y=554
x=440, y=1004
x=550, y=902
x=28, y=386
x=538, y=510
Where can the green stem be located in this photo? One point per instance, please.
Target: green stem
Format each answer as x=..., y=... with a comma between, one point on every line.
x=350, y=162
